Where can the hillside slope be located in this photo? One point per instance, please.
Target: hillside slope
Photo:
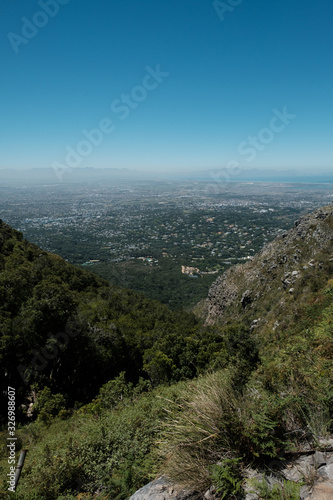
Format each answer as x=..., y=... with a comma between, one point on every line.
x=284, y=273
x=67, y=330
x=269, y=396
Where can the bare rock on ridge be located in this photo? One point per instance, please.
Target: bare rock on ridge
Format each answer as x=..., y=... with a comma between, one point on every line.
x=283, y=267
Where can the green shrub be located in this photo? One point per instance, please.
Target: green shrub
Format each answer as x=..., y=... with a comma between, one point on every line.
x=227, y=479
x=115, y=391
x=213, y=422
x=288, y=490
x=50, y=405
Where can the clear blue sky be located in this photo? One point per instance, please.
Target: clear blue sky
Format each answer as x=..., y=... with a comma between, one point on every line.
x=226, y=74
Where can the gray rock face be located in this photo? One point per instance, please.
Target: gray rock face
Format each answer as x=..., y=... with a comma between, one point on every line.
x=320, y=458
x=304, y=492
x=281, y=266
x=162, y=489
x=326, y=472
x=299, y=469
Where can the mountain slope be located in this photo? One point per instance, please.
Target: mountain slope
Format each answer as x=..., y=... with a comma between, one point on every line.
x=68, y=330
x=284, y=273
x=270, y=395
x=283, y=301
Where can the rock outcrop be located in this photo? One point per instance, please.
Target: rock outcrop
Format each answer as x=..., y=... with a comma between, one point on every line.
x=162, y=489
x=313, y=472
x=294, y=260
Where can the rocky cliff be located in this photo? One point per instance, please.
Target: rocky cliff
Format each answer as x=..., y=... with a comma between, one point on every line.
x=287, y=270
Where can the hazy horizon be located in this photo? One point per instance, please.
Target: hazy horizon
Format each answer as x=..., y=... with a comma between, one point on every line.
x=46, y=176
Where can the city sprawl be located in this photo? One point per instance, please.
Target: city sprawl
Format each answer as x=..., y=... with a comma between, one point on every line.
x=169, y=240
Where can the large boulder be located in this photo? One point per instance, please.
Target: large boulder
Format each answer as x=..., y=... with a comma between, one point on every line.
x=162, y=489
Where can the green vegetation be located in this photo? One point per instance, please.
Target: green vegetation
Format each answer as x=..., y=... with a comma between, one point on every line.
x=68, y=330
x=288, y=490
x=284, y=403
x=163, y=282
x=227, y=478
x=125, y=389
x=107, y=445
